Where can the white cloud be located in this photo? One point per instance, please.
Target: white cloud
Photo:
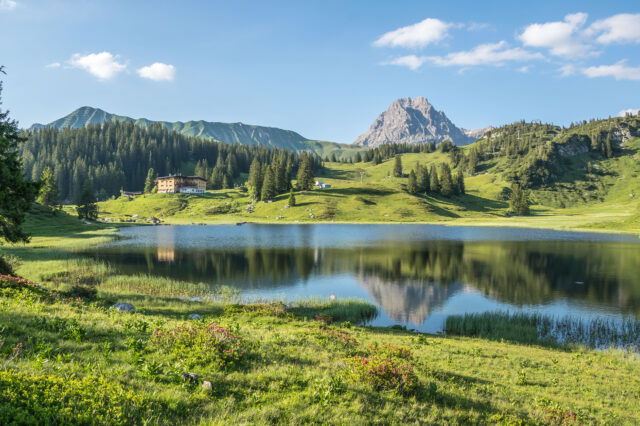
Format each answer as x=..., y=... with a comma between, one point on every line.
x=567, y=70
x=103, y=65
x=495, y=54
x=429, y=31
x=412, y=62
x=8, y=5
x=53, y=65
x=619, y=71
x=562, y=38
x=631, y=111
x=158, y=72
x=622, y=28
x=524, y=69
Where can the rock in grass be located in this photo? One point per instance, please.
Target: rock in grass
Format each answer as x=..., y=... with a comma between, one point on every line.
x=124, y=307
x=190, y=377
x=207, y=386
x=195, y=316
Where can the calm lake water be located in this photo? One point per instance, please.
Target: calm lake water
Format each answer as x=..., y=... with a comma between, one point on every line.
x=416, y=274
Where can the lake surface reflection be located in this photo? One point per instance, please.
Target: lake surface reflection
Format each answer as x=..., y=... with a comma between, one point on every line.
x=416, y=274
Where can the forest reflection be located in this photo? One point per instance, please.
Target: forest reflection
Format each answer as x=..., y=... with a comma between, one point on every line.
x=410, y=280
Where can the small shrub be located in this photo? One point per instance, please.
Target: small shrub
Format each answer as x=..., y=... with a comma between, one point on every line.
x=391, y=351
x=82, y=292
x=383, y=373
x=343, y=337
x=8, y=265
x=277, y=309
x=201, y=344
x=327, y=319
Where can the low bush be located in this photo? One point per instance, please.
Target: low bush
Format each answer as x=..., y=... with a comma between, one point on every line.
x=47, y=399
x=383, y=373
x=201, y=344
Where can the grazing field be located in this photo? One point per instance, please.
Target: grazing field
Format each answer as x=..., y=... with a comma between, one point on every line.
x=364, y=192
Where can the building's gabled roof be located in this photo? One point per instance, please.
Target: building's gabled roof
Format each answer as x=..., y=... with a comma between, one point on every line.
x=180, y=176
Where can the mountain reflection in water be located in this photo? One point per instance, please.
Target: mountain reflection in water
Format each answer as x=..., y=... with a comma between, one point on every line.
x=410, y=271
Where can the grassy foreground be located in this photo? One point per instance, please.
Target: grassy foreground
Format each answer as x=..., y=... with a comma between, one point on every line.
x=66, y=357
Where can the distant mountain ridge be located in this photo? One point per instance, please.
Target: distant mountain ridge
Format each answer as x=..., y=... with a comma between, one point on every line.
x=415, y=121
x=225, y=132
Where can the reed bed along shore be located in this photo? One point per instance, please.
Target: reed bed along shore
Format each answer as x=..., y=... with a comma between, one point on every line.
x=537, y=328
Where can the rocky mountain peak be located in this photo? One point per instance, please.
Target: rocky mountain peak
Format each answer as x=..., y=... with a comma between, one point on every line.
x=412, y=121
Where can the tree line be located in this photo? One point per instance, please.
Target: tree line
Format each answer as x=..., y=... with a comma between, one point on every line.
x=115, y=156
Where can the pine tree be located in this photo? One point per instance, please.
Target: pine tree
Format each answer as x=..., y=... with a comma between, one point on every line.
x=460, y=189
x=412, y=184
x=518, y=202
x=150, y=181
x=305, y=174
x=48, y=195
x=358, y=158
x=292, y=199
x=255, y=180
x=422, y=177
x=434, y=183
x=397, y=167
x=376, y=158
x=16, y=194
x=269, y=190
x=446, y=180
x=472, y=161
x=86, y=206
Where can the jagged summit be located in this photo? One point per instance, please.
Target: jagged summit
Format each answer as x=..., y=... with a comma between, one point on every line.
x=413, y=121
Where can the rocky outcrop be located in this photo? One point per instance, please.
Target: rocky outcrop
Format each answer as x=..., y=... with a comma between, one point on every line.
x=476, y=134
x=412, y=121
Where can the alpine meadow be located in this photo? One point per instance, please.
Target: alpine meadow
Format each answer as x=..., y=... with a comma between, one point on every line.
x=379, y=264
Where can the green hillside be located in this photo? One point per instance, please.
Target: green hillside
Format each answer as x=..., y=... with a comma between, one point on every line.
x=584, y=190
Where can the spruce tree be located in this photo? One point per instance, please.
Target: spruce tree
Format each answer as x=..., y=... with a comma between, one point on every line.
x=397, y=167
x=422, y=177
x=269, y=190
x=292, y=199
x=305, y=173
x=48, y=195
x=150, y=181
x=434, y=182
x=460, y=189
x=16, y=194
x=86, y=205
x=412, y=184
x=518, y=203
x=254, y=182
x=472, y=161
x=446, y=180
x=358, y=158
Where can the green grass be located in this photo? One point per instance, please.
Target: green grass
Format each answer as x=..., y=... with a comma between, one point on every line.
x=76, y=359
x=366, y=193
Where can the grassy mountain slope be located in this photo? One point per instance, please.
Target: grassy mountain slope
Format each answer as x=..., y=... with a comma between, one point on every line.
x=364, y=192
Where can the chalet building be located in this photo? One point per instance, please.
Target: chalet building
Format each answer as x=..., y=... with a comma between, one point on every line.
x=173, y=184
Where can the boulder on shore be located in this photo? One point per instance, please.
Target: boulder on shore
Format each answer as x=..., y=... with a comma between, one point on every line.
x=124, y=307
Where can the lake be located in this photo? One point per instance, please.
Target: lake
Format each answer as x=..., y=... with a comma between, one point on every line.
x=416, y=274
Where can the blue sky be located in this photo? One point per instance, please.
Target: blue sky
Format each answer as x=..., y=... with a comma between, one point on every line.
x=323, y=68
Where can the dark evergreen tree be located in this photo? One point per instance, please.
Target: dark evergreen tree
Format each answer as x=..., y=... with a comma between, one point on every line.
x=397, y=167
x=86, y=206
x=446, y=181
x=48, y=195
x=460, y=189
x=305, y=173
x=422, y=176
x=518, y=202
x=412, y=183
x=292, y=199
x=255, y=180
x=269, y=189
x=434, y=183
x=472, y=161
x=16, y=193
x=150, y=180
x=358, y=158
